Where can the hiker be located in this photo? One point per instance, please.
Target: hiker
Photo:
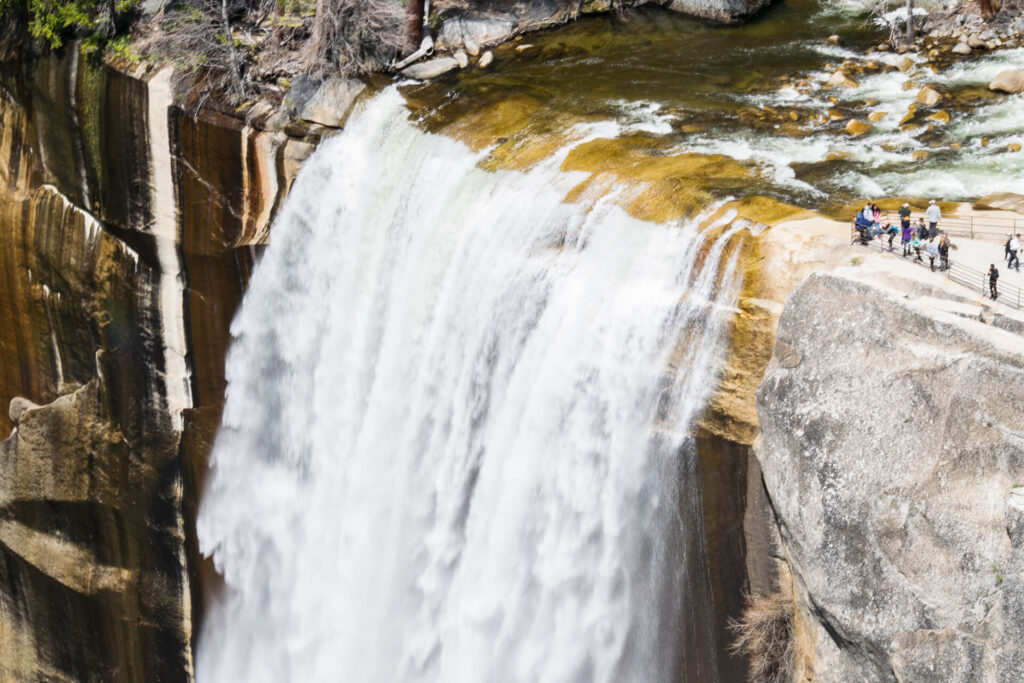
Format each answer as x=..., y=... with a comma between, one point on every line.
x=944, y=252
x=932, y=249
x=891, y=229
x=993, y=280
x=915, y=244
x=863, y=226
x=1006, y=246
x=877, y=213
x=907, y=235
x=905, y=215
x=868, y=214
x=1014, y=261
x=922, y=229
x=934, y=215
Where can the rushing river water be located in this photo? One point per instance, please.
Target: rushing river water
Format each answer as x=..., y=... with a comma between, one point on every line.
x=758, y=93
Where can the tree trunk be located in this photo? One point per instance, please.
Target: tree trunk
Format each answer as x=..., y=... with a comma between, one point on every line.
x=910, y=22
x=275, y=24
x=413, y=25
x=236, y=69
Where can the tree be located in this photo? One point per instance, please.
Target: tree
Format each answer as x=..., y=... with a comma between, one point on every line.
x=352, y=36
x=52, y=21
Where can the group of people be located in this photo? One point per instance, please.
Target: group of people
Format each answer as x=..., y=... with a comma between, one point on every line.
x=1011, y=254
x=914, y=238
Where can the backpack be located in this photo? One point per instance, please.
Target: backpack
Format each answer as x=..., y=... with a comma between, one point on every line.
x=993, y=274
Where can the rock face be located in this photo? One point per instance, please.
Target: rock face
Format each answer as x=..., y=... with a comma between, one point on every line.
x=891, y=468
x=90, y=548
x=128, y=226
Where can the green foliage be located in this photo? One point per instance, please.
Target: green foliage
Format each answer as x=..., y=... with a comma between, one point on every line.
x=51, y=21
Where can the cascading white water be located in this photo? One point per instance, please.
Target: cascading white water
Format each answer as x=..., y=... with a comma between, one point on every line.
x=454, y=446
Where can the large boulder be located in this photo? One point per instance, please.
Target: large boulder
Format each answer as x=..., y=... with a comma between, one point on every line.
x=325, y=102
x=475, y=31
x=432, y=68
x=728, y=11
x=1010, y=81
x=891, y=448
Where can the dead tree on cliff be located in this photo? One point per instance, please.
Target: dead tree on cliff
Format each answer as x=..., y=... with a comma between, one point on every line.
x=353, y=36
x=202, y=37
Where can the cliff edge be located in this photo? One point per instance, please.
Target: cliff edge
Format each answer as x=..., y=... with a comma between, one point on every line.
x=892, y=450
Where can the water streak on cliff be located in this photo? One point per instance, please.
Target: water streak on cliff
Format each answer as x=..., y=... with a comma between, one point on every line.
x=456, y=442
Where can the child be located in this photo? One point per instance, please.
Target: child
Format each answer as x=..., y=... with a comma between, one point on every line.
x=915, y=244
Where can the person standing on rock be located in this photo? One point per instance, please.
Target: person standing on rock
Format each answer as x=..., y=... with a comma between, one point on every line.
x=932, y=249
x=1006, y=246
x=922, y=229
x=993, y=281
x=907, y=236
x=1014, y=261
x=905, y=216
x=915, y=244
x=944, y=252
x=934, y=215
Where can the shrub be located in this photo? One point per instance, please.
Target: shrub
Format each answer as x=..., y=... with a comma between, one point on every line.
x=766, y=634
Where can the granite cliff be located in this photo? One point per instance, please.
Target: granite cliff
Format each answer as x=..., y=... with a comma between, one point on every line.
x=893, y=456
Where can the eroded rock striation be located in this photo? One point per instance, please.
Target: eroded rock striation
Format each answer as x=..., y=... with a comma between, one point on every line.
x=893, y=454
x=128, y=225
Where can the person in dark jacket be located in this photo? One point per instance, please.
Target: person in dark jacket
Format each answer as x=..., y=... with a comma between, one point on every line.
x=922, y=230
x=993, y=281
x=944, y=252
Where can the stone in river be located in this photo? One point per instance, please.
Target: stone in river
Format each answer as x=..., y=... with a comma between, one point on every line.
x=1010, y=81
x=940, y=116
x=433, y=68
x=485, y=59
x=841, y=80
x=962, y=49
x=928, y=96
x=876, y=116
x=857, y=128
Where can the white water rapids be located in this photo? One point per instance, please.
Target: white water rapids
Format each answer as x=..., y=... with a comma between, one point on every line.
x=455, y=446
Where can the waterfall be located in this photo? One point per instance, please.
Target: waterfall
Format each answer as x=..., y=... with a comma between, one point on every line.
x=456, y=438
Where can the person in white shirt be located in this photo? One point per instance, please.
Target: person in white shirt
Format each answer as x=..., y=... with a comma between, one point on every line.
x=1014, y=251
x=934, y=215
x=932, y=249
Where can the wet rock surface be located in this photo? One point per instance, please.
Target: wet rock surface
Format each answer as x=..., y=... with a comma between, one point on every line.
x=125, y=221
x=891, y=468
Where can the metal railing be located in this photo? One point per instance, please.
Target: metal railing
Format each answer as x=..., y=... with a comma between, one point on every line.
x=973, y=227
x=971, y=278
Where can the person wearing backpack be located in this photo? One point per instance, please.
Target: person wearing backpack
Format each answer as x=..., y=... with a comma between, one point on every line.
x=922, y=229
x=993, y=281
x=905, y=215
